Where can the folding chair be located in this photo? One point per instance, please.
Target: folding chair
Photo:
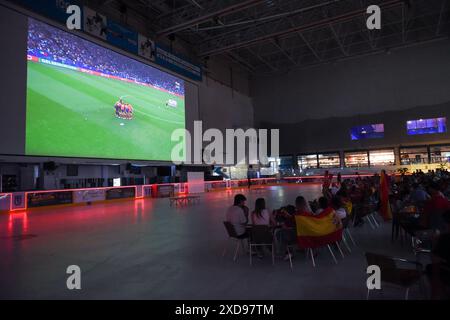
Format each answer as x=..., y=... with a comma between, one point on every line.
x=394, y=275
x=261, y=236
x=232, y=235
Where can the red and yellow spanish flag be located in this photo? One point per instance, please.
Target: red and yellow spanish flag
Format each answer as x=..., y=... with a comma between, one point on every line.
x=317, y=231
x=385, y=209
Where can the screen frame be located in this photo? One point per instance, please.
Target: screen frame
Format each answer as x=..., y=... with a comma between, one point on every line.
x=408, y=131
x=367, y=125
x=194, y=109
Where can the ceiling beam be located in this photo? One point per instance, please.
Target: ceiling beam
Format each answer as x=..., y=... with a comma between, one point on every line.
x=314, y=52
x=283, y=51
x=267, y=63
x=338, y=40
x=321, y=23
x=242, y=5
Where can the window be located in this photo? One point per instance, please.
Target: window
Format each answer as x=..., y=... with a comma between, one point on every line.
x=382, y=157
x=356, y=159
x=329, y=160
x=440, y=154
x=414, y=155
x=426, y=126
x=370, y=131
x=286, y=165
x=308, y=161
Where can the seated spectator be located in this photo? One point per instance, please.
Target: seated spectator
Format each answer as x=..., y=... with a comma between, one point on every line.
x=287, y=234
x=301, y=206
x=236, y=216
x=323, y=204
x=419, y=196
x=334, y=189
x=346, y=202
x=434, y=208
x=261, y=216
x=337, y=205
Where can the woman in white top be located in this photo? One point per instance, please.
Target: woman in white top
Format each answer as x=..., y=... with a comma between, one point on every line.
x=338, y=207
x=261, y=216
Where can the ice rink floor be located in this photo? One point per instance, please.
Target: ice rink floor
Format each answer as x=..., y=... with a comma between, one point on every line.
x=145, y=249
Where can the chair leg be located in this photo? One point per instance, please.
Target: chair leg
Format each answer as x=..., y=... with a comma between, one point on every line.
x=273, y=254
x=332, y=254
x=312, y=257
x=407, y=294
x=344, y=239
x=370, y=222
x=340, y=250
x=374, y=219
x=236, y=251
x=392, y=231
x=225, y=249
x=290, y=257
x=350, y=236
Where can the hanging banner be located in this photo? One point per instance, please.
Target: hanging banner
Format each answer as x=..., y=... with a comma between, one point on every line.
x=122, y=37
x=52, y=9
x=146, y=48
x=177, y=64
x=95, y=24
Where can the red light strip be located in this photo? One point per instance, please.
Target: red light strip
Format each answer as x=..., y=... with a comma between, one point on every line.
x=183, y=186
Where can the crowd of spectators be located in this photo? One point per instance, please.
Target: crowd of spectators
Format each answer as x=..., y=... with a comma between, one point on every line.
x=50, y=43
x=428, y=193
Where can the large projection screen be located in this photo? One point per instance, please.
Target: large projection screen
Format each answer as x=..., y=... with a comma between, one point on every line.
x=86, y=101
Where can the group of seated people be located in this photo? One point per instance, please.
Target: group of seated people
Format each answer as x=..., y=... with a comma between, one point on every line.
x=283, y=219
x=428, y=192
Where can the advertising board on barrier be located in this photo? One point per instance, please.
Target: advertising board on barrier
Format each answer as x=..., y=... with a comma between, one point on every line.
x=5, y=202
x=93, y=195
x=19, y=200
x=120, y=193
x=49, y=198
x=164, y=191
x=147, y=191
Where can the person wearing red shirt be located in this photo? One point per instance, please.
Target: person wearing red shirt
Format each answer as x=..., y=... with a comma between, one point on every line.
x=435, y=208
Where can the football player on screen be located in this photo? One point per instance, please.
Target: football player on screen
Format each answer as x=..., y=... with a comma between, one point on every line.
x=118, y=107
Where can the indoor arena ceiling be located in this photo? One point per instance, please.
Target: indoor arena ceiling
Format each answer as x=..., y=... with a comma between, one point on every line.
x=268, y=36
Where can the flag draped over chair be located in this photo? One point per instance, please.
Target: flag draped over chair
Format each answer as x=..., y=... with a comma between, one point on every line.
x=317, y=231
x=385, y=209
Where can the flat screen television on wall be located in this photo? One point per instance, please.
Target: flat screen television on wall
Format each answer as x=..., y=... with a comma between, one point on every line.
x=427, y=126
x=370, y=131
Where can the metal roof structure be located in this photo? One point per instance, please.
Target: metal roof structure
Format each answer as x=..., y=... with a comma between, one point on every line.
x=270, y=36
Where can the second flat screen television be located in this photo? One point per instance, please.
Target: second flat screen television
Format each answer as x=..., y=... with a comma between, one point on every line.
x=370, y=131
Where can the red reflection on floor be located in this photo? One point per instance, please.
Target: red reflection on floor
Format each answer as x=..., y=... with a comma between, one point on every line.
x=17, y=224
